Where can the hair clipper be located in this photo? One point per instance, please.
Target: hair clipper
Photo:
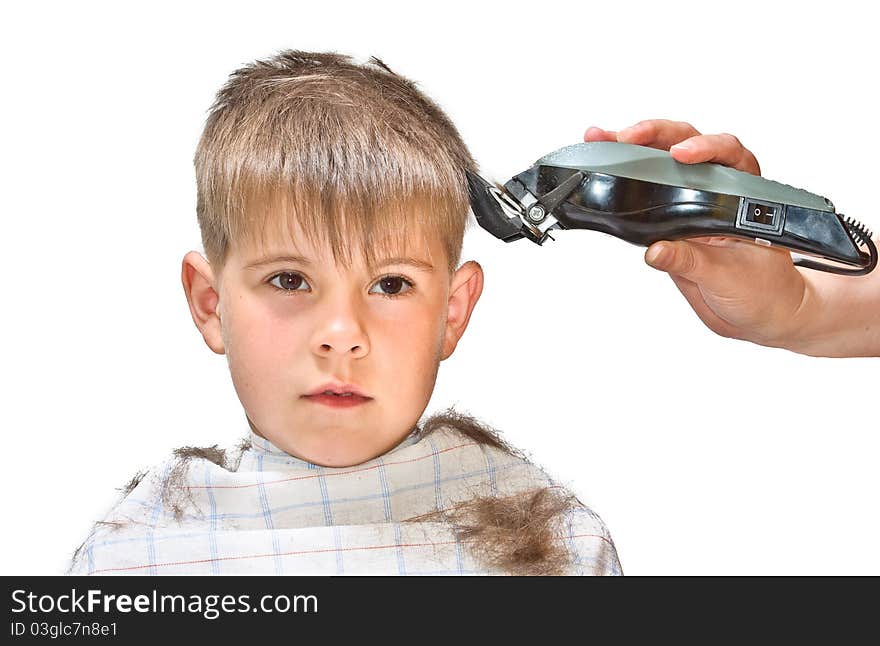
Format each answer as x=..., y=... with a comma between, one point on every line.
x=643, y=195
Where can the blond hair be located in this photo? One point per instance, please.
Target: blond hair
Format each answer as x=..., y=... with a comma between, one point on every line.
x=353, y=155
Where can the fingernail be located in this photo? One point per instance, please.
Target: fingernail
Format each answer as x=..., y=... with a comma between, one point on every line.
x=685, y=145
x=658, y=256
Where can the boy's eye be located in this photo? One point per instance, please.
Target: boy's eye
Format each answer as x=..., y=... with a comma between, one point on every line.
x=393, y=286
x=390, y=286
x=288, y=281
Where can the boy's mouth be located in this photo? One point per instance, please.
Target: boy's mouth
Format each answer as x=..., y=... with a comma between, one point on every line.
x=338, y=395
x=337, y=388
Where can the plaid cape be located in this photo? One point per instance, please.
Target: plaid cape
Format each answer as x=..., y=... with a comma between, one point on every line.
x=277, y=514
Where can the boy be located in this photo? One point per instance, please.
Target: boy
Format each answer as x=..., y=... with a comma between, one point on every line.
x=332, y=204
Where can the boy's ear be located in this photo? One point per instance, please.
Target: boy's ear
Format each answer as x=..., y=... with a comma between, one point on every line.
x=198, y=284
x=464, y=292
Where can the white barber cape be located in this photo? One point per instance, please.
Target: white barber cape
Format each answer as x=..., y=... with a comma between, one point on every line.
x=278, y=514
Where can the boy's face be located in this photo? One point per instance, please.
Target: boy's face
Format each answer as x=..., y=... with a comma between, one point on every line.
x=291, y=326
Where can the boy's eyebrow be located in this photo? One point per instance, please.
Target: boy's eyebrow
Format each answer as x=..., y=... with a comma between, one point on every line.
x=268, y=260
x=402, y=260
x=398, y=260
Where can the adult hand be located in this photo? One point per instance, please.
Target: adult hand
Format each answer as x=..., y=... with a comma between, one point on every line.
x=740, y=289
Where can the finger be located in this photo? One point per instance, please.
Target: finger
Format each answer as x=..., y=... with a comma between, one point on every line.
x=693, y=261
x=715, y=240
x=657, y=133
x=720, y=241
x=594, y=133
x=722, y=149
x=710, y=263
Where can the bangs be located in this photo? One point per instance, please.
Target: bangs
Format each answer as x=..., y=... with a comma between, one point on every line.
x=368, y=223
x=365, y=168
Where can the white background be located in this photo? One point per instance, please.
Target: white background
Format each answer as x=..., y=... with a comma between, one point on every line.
x=702, y=454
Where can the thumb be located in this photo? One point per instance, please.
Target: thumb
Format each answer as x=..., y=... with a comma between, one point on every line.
x=681, y=257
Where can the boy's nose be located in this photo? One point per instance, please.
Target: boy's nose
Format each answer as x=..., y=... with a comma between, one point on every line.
x=342, y=347
x=341, y=333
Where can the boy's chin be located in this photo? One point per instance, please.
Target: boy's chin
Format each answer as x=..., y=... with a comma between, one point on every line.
x=341, y=464
x=345, y=458
x=336, y=445
x=337, y=455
